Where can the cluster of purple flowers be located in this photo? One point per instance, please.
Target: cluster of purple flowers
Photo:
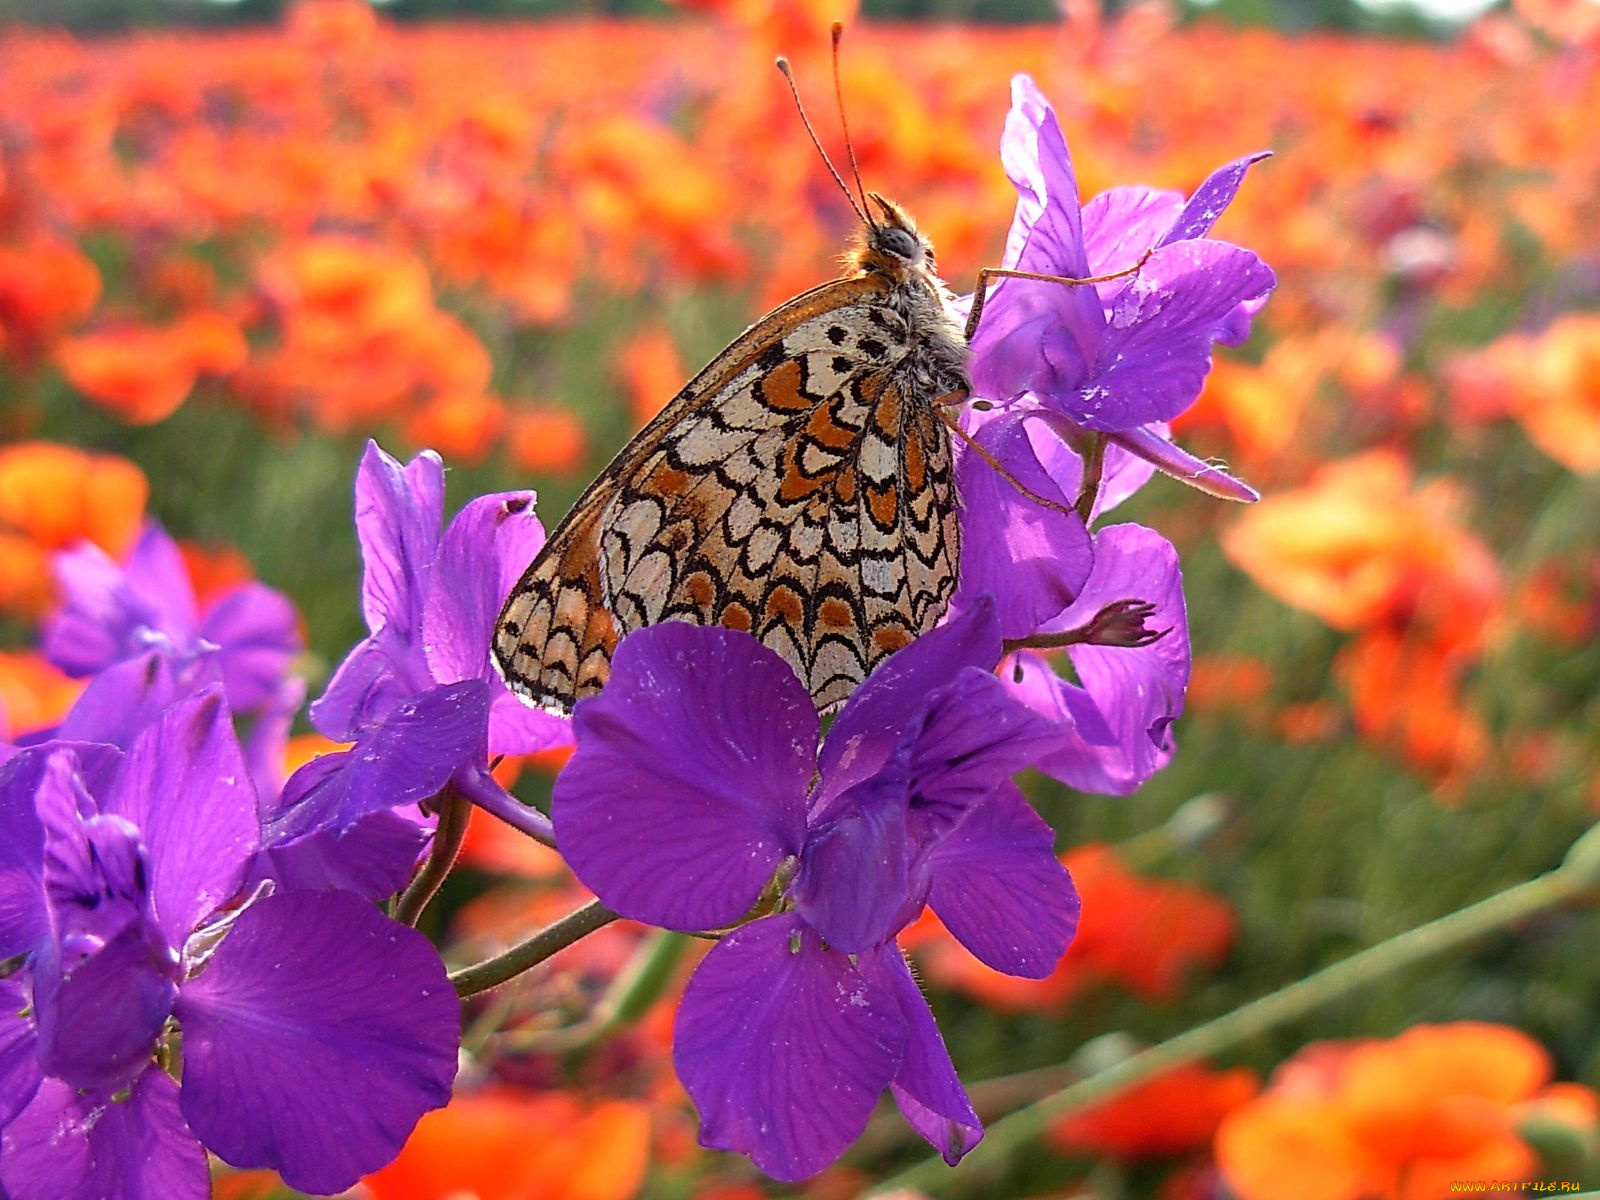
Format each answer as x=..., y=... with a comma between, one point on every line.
x=191, y=957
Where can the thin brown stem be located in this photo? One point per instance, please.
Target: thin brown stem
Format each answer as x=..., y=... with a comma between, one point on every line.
x=556, y=936
x=454, y=811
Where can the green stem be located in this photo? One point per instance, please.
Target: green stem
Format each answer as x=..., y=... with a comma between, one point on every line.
x=558, y=935
x=1575, y=876
x=454, y=811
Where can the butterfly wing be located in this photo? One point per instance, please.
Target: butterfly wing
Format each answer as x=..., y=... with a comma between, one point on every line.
x=796, y=488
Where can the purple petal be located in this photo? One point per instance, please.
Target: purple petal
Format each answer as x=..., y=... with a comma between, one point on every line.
x=24, y=919
x=111, y=612
x=785, y=1046
x=375, y=678
x=66, y=1146
x=1151, y=444
x=406, y=759
x=689, y=781
x=105, y=981
x=492, y=538
x=927, y=1088
x=892, y=700
x=516, y=728
x=19, y=1062
x=256, y=631
x=1211, y=199
x=1120, y=224
x=373, y=858
x=1033, y=559
x=398, y=514
x=975, y=737
x=264, y=749
x=319, y=997
x=1157, y=344
x=997, y=886
x=99, y=1019
x=853, y=880
x=1037, y=337
x=184, y=785
x=122, y=699
x=1136, y=692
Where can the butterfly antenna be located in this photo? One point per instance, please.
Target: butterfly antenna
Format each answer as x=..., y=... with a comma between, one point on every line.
x=783, y=65
x=838, y=96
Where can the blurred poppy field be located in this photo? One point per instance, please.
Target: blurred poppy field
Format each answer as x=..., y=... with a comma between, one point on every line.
x=229, y=258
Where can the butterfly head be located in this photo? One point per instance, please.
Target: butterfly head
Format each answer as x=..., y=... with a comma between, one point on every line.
x=892, y=246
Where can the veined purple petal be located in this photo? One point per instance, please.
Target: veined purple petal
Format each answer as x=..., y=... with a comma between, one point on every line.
x=927, y=1088
x=122, y=699
x=891, y=702
x=1031, y=558
x=264, y=749
x=1121, y=223
x=974, y=738
x=104, y=982
x=318, y=997
x=1037, y=337
x=98, y=1018
x=1150, y=444
x=785, y=1046
x=377, y=676
x=24, y=919
x=517, y=728
x=689, y=781
x=854, y=878
x=95, y=877
x=19, y=1056
x=398, y=514
x=1211, y=199
x=997, y=886
x=1157, y=344
x=66, y=1146
x=1138, y=692
x=256, y=633
x=184, y=785
x=405, y=759
x=486, y=541
x=373, y=858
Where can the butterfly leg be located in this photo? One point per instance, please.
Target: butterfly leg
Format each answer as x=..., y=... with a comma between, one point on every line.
x=981, y=293
x=940, y=406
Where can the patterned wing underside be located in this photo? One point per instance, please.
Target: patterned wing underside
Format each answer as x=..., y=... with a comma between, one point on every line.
x=792, y=490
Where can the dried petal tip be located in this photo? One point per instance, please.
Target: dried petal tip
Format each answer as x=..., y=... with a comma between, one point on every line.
x=1122, y=623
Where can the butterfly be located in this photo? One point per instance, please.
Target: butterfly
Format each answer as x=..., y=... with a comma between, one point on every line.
x=799, y=488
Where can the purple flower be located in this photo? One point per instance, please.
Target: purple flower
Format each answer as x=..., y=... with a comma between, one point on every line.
x=1123, y=356
x=419, y=697
x=315, y=1030
x=113, y=614
x=1112, y=730
x=1131, y=351
x=691, y=791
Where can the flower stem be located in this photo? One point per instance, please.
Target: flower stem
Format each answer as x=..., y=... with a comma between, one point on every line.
x=1578, y=874
x=1094, y=465
x=454, y=810
x=558, y=935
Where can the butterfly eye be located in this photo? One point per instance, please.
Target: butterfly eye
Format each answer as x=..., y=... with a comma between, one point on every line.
x=899, y=243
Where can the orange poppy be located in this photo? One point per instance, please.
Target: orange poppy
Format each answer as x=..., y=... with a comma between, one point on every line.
x=1176, y=1112
x=1393, y=1120
x=503, y=1144
x=51, y=496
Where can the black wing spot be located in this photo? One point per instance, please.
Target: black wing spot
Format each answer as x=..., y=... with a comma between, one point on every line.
x=841, y=365
x=837, y=334
x=873, y=348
